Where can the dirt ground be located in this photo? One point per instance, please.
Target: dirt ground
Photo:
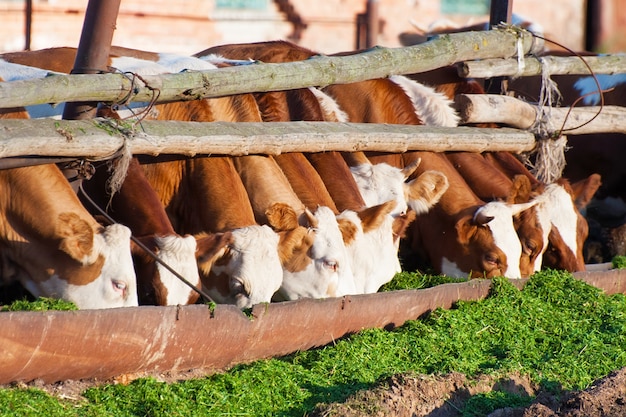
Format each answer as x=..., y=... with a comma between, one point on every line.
x=430, y=396
x=421, y=396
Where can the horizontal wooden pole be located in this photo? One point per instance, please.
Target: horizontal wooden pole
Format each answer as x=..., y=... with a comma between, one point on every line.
x=556, y=65
x=318, y=71
x=99, y=138
x=487, y=108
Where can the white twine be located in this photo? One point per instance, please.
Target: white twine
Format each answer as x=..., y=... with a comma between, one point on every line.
x=550, y=153
x=119, y=169
x=521, y=64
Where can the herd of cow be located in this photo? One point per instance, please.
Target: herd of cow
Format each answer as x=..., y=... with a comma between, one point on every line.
x=260, y=228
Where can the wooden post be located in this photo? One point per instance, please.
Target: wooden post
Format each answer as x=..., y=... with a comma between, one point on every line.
x=92, y=55
x=499, y=12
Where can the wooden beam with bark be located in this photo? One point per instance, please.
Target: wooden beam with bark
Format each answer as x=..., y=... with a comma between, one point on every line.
x=101, y=138
x=488, y=108
x=554, y=65
x=318, y=71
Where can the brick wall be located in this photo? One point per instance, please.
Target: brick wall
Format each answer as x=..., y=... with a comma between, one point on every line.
x=188, y=26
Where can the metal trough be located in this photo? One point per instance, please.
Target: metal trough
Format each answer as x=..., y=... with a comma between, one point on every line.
x=102, y=344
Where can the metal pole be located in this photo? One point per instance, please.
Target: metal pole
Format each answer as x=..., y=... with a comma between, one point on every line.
x=28, y=24
x=93, y=50
x=371, y=36
x=499, y=12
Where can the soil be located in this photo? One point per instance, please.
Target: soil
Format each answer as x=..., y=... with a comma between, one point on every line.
x=445, y=396
x=432, y=396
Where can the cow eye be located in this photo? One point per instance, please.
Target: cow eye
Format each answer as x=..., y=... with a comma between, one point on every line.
x=332, y=265
x=237, y=287
x=491, y=258
x=119, y=286
x=530, y=247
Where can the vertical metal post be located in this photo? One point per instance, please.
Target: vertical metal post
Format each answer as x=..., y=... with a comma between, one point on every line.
x=93, y=50
x=500, y=11
x=371, y=36
x=28, y=24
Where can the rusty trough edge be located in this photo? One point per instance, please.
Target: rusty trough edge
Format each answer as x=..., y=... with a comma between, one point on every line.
x=103, y=344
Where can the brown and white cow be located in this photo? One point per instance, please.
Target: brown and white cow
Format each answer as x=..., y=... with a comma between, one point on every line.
x=53, y=246
x=488, y=183
x=562, y=204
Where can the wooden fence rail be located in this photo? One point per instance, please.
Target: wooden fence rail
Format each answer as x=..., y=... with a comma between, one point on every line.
x=100, y=138
x=317, y=71
x=554, y=65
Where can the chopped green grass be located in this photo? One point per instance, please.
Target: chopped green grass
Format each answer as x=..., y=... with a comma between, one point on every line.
x=416, y=280
x=40, y=304
x=619, y=262
x=559, y=331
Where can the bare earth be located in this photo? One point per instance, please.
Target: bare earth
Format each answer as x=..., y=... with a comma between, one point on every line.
x=431, y=396
x=421, y=396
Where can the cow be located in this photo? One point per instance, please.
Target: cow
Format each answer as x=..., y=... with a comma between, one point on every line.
x=489, y=183
x=563, y=203
x=53, y=247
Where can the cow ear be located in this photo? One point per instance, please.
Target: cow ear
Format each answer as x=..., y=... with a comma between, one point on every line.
x=408, y=170
x=584, y=190
x=210, y=247
x=77, y=237
x=281, y=216
x=426, y=190
x=348, y=230
x=401, y=224
x=520, y=190
x=293, y=247
x=373, y=217
x=480, y=218
x=465, y=229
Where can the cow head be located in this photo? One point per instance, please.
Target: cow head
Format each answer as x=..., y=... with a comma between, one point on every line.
x=93, y=269
x=382, y=182
x=315, y=260
x=372, y=246
x=248, y=271
x=490, y=240
x=157, y=285
x=561, y=203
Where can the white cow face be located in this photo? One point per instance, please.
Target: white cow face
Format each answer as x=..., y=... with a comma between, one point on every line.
x=115, y=286
x=179, y=253
x=249, y=272
x=328, y=272
x=379, y=183
x=373, y=252
x=498, y=217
